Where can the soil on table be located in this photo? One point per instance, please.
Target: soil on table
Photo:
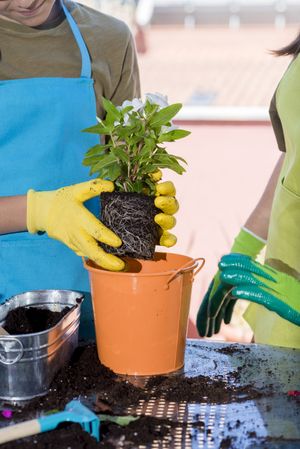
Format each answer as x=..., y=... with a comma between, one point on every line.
x=28, y=320
x=72, y=436
x=232, y=349
x=105, y=392
x=131, y=217
x=201, y=389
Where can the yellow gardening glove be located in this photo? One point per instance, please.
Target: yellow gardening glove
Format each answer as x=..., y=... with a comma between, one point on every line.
x=63, y=216
x=166, y=201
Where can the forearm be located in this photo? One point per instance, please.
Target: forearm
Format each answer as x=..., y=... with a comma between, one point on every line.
x=258, y=221
x=13, y=214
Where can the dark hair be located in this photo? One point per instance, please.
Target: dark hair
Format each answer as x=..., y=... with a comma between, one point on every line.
x=291, y=49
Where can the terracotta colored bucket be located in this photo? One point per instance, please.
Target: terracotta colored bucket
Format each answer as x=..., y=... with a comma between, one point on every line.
x=141, y=314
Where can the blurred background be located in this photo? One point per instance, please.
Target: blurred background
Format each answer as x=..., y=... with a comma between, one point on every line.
x=214, y=57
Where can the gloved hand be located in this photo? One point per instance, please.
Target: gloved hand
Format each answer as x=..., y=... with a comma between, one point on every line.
x=261, y=284
x=63, y=216
x=209, y=317
x=166, y=201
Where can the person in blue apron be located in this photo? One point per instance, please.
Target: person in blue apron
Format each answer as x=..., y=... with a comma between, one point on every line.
x=57, y=61
x=273, y=289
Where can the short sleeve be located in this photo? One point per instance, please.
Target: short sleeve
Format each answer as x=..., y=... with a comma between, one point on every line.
x=276, y=124
x=129, y=83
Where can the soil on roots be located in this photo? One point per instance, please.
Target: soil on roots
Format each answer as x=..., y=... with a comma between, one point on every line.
x=131, y=217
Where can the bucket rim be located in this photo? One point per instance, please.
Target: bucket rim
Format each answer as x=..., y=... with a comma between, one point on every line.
x=194, y=262
x=34, y=334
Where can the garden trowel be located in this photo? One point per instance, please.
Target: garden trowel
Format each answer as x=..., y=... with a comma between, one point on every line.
x=73, y=412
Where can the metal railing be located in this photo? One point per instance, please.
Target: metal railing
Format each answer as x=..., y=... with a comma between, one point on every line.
x=233, y=12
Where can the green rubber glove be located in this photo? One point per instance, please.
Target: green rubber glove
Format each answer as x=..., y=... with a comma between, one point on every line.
x=277, y=291
x=209, y=323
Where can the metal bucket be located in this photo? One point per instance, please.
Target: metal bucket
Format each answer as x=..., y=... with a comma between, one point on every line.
x=29, y=362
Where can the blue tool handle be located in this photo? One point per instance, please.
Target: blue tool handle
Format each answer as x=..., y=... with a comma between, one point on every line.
x=50, y=422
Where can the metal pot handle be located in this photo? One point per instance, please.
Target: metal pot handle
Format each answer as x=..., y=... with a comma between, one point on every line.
x=4, y=341
x=186, y=267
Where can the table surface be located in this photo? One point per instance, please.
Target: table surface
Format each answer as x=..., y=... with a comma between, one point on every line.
x=273, y=419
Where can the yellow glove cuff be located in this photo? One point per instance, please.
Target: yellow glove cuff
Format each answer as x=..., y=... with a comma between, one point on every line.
x=37, y=210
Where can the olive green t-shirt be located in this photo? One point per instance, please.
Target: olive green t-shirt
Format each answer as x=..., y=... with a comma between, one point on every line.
x=30, y=52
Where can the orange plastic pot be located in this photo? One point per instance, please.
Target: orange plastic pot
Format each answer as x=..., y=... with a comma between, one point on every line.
x=141, y=314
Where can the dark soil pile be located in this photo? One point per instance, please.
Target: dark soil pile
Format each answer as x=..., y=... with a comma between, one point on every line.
x=232, y=349
x=65, y=436
x=72, y=436
x=131, y=217
x=84, y=375
x=201, y=389
x=27, y=320
x=142, y=431
x=227, y=443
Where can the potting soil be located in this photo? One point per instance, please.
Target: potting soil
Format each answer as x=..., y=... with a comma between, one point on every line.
x=104, y=392
x=27, y=320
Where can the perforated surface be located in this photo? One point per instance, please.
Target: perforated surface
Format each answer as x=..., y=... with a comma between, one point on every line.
x=272, y=421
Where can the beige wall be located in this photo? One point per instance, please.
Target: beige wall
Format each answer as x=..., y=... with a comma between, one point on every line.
x=228, y=167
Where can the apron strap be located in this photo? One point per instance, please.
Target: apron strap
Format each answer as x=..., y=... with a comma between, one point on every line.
x=86, y=68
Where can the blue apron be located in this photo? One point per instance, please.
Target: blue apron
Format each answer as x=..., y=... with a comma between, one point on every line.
x=42, y=147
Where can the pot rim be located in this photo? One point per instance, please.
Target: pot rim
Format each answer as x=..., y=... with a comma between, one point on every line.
x=89, y=265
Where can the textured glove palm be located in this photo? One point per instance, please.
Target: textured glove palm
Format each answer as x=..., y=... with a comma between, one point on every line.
x=261, y=284
x=63, y=216
x=210, y=316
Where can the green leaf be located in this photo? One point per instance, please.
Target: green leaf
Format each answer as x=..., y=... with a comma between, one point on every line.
x=167, y=161
x=119, y=185
x=151, y=185
x=106, y=161
x=149, y=168
x=111, y=109
x=87, y=161
x=120, y=154
x=96, y=149
x=113, y=172
x=127, y=109
x=146, y=152
x=97, y=129
x=178, y=158
x=173, y=135
x=138, y=186
x=120, y=420
x=161, y=151
x=163, y=116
